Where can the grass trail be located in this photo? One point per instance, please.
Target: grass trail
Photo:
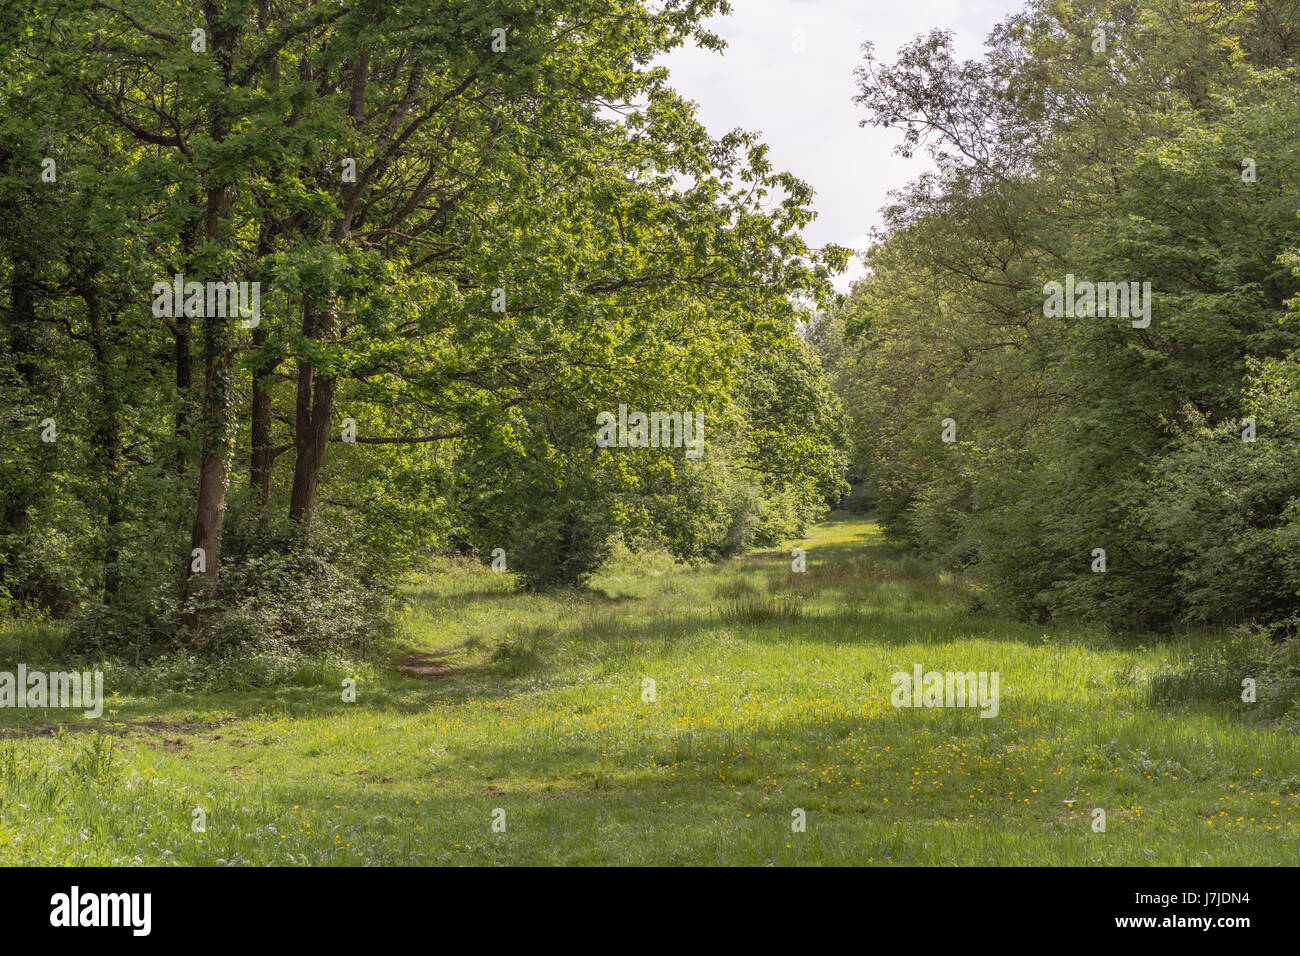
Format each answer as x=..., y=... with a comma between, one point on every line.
x=771, y=694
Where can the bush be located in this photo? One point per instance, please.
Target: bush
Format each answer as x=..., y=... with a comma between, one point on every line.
x=30, y=638
x=283, y=591
x=540, y=494
x=1226, y=512
x=1268, y=655
x=279, y=593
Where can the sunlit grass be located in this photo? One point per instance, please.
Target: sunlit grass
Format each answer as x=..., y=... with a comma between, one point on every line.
x=771, y=693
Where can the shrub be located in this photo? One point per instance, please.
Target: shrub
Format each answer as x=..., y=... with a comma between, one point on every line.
x=1269, y=655
x=280, y=592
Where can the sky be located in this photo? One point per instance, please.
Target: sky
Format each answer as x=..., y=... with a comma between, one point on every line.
x=787, y=72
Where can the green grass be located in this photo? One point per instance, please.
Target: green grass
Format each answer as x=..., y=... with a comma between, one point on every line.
x=772, y=693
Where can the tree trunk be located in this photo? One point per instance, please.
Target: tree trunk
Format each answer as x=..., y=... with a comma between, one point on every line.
x=315, y=404
x=263, y=456
x=218, y=446
x=217, y=426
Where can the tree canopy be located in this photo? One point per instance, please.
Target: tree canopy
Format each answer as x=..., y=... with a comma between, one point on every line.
x=472, y=228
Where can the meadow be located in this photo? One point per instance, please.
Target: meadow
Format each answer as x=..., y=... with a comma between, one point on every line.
x=520, y=728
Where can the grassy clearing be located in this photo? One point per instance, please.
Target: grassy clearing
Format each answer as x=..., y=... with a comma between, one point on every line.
x=772, y=693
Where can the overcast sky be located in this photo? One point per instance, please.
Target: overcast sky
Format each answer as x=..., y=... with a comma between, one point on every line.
x=802, y=102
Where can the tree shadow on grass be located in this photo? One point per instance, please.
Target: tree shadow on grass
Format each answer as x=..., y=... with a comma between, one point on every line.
x=602, y=798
